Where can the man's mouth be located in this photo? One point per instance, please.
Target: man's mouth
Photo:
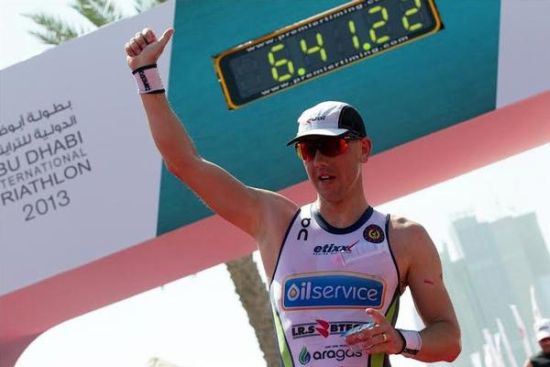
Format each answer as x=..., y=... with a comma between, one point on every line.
x=325, y=177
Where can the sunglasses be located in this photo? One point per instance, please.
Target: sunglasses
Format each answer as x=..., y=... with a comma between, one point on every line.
x=330, y=147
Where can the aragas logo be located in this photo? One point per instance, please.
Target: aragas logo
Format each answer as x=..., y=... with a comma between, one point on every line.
x=304, y=357
x=338, y=354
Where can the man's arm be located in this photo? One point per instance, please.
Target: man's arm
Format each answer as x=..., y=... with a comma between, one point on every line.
x=419, y=263
x=224, y=194
x=441, y=336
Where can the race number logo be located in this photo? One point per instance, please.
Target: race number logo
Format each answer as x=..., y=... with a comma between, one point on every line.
x=374, y=234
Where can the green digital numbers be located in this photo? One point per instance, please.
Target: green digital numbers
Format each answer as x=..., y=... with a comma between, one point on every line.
x=379, y=24
x=279, y=63
x=320, y=44
x=409, y=13
x=318, y=48
x=355, y=38
x=379, y=29
x=276, y=64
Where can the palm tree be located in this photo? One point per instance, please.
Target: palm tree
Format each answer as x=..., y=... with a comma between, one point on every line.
x=255, y=300
x=96, y=13
x=244, y=272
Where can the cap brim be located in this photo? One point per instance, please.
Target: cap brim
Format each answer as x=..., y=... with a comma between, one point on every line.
x=543, y=335
x=318, y=132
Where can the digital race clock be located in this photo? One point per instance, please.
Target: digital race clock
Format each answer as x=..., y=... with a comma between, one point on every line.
x=321, y=44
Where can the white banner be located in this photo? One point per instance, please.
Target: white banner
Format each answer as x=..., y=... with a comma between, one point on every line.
x=76, y=157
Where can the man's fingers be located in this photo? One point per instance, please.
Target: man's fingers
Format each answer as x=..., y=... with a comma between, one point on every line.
x=149, y=35
x=135, y=48
x=140, y=40
x=377, y=317
x=144, y=48
x=129, y=50
x=166, y=36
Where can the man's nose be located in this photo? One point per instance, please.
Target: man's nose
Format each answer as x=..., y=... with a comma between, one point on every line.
x=319, y=159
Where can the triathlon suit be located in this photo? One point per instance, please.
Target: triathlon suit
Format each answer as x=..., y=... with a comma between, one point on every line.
x=324, y=279
x=540, y=360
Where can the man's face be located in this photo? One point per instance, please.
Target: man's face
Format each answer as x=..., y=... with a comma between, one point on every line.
x=545, y=345
x=334, y=164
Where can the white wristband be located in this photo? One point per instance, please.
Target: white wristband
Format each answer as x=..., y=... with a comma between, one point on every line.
x=148, y=79
x=413, y=342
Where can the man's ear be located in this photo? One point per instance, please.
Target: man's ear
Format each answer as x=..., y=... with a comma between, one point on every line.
x=366, y=147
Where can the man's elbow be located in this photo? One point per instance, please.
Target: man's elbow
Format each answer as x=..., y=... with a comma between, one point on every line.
x=181, y=168
x=454, y=351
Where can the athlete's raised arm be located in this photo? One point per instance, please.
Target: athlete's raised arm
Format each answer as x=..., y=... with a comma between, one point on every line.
x=241, y=205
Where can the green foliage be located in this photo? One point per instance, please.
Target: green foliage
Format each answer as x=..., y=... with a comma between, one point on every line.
x=142, y=5
x=55, y=30
x=98, y=12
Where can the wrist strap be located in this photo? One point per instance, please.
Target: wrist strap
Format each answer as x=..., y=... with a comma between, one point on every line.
x=148, y=79
x=413, y=342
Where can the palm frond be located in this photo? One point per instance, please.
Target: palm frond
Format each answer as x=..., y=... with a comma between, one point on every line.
x=55, y=30
x=144, y=5
x=98, y=12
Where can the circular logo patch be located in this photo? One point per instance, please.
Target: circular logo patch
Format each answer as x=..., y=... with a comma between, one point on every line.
x=373, y=233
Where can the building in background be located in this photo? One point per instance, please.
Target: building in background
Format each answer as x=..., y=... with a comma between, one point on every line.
x=499, y=262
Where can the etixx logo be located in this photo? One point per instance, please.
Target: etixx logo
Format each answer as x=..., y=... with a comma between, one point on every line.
x=332, y=248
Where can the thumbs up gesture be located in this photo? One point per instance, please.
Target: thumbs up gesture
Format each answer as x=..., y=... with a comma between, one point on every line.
x=145, y=49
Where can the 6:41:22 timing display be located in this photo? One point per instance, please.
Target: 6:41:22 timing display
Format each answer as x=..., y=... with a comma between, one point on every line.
x=321, y=44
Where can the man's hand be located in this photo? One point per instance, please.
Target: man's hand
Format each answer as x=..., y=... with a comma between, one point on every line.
x=382, y=338
x=145, y=49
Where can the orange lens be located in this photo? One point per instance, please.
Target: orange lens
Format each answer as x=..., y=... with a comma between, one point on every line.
x=330, y=147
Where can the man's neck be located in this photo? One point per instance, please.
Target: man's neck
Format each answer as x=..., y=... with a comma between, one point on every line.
x=342, y=214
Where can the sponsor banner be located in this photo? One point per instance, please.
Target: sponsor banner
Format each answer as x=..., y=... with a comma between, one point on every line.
x=338, y=353
x=323, y=328
x=332, y=290
x=79, y=173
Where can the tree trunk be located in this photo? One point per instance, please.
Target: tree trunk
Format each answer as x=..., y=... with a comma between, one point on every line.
x=255, y=300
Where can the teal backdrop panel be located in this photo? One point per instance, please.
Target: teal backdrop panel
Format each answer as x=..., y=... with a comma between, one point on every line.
x=403, y=94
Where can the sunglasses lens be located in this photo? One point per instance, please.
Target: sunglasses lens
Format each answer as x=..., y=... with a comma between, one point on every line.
x=330, y=147
x=306, y=151
x=333, y=147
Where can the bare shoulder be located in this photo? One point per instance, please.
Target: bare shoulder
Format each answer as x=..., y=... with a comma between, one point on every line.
x=406, y=233
x=412, y=247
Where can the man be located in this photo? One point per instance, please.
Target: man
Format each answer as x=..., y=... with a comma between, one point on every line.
x=542, y=358
x=330, y=264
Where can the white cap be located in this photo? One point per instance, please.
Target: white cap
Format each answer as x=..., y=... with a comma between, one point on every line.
x=542, y=329
x=330, y=118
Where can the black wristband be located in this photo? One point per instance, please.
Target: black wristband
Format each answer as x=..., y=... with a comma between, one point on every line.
x=144, y=67
x=148, y=79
